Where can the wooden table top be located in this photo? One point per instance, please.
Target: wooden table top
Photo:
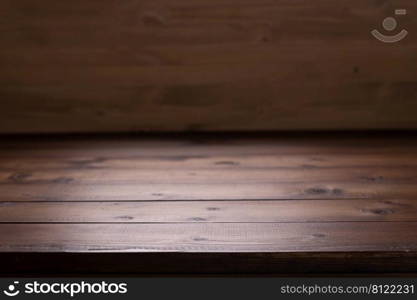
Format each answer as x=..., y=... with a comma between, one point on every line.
x=340, y=203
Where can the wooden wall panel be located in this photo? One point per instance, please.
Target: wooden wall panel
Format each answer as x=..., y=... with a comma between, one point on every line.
x=133, y=65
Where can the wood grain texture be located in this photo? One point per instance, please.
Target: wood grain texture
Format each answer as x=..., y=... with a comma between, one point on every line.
x=209, y=204
x=306, y=211
x=274, y=167
x=205, y=65
x=230, y=237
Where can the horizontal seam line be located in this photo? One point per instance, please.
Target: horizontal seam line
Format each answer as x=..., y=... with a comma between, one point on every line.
x=196, y=200
x=202, y=222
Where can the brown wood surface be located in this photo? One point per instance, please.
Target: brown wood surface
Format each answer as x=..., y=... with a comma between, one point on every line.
x=291, y=211
x=223, y=168
x=134, y=65
x=228, y=237
x=209, y=204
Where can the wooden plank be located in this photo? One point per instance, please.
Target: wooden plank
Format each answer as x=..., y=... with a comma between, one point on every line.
x=302, y=211
x=243, y=162
x=235, y=175
x=205, y=191
x=195, y=237
x=213, y=65
x=359, y=212
x=274, y=167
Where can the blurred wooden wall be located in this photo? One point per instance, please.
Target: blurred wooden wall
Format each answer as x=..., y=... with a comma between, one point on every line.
x=133, y=65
